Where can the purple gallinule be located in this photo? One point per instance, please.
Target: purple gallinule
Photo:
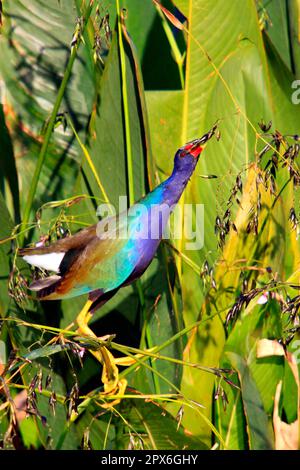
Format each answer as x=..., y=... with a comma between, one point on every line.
x=99, y=263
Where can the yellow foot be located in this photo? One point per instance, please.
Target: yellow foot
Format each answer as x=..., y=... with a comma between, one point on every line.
x=130, y=360
x=110, y=373
x=127, y=361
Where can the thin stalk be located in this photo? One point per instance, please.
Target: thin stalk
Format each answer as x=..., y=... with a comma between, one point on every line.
x=125, y=109
x=157, y=348
x=50, y=127
x=168, y=397
x=126, y=349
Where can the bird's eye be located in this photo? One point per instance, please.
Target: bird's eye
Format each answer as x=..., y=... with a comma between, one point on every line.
x=183, y=153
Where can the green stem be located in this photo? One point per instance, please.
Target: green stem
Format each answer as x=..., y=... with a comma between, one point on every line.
x=49, y=128
x=127, y=349
x=125, y=109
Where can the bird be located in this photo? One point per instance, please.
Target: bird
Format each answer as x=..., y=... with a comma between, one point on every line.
x=98, y=261
x=111, y=254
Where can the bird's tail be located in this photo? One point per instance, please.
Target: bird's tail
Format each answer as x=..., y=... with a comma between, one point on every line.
x=45, y=287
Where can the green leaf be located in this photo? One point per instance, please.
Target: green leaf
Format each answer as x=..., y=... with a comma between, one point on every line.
x=45, y=351
x=157, y=428
x=8, y=170
x=160, y=71
x=163, y=317
x=107, y=145
x=290, y=393
x=100, y=433
x=35, y=46
x=293, y=13
x=5, y=231
x=258, y=427
x=277, y=28
x=230, y=417
x=265, y=373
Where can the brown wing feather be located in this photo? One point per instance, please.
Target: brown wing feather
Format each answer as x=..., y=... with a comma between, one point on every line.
x=83, y=251
x=95, y=252
x=77, y=241
x=92, y=254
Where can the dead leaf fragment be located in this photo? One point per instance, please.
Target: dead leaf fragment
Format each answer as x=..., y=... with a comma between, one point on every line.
x=175, y=22
x=286, y=435
x=269, y=347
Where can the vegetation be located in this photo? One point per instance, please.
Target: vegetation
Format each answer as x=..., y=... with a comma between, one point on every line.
x=96, y=98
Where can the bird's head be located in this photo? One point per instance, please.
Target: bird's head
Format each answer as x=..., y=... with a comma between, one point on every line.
x=186, y=157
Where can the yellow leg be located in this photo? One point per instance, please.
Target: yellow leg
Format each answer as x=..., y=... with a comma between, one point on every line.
x=82, y=320
x=110, y=373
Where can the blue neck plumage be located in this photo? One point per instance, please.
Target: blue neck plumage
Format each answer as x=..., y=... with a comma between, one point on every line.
x=170, y=190
x=175, y=185
x=160, y=203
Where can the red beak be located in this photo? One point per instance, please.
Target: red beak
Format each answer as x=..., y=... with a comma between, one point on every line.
x=193, y=148
x=196, y=150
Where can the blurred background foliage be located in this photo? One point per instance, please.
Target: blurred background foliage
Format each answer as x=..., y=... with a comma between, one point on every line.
x=138, y=82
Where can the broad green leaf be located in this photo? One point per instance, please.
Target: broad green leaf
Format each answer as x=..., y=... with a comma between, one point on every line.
x=160, y=71
x=276, y=28
x=158, y=430
x=35, y=45
x=230, y=417
x=5, y=231
x=98, y=433
x=165, y=118
x=290, y=395
x=162, y=315
x=256, y=322
x=293, y=18
x=259, y=432
x=8, y=176
x=293, y=15
x=107, y=145
x=29, y=433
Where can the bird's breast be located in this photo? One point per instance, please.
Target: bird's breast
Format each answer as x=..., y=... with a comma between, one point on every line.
x=146, y=232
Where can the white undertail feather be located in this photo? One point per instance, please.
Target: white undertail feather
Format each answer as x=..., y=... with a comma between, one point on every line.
x=48, y=261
